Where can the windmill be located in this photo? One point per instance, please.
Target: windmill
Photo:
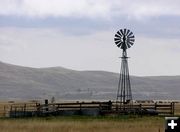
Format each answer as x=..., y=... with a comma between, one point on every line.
x=124, y=39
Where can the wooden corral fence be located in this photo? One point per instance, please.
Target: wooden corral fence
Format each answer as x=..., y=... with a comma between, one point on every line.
x=3, y=111
x=161, y=109
x=12, y=109
x=80, y=108
x=23, y=109
x=145, y=108
x=5, y=108
x=77, y=106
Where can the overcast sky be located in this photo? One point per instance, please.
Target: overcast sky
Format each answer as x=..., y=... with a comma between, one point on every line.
x=78, y=34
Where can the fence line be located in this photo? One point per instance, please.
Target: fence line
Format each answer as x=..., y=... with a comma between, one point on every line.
x=37, y=109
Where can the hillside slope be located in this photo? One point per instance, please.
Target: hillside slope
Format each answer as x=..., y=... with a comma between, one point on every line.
x=18, y=82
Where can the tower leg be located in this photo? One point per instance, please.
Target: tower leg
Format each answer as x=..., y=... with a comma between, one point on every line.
x=124, y=95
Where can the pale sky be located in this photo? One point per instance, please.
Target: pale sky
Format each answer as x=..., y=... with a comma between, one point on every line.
x=79, y=34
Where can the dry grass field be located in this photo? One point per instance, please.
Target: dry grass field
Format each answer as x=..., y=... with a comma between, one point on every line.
x=83, y=124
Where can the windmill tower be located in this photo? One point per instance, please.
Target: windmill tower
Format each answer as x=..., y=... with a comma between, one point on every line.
x=124, y=39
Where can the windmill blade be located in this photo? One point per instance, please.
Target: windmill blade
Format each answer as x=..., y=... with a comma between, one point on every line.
x=131, y=43
x=129, y=46
x=130, y=34
x=118, y=33
x=128, y=31
x=118, y=45
x=121, y=43
x=118, y=36
x=117, y=42
x=132, y=40
x=124, y=31
x=121, y=32
x=117, y=39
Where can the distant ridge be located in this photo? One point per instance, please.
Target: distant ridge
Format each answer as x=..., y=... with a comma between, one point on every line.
x=18, y=82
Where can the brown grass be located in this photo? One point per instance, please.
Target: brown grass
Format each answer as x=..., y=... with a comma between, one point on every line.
x=145, y=124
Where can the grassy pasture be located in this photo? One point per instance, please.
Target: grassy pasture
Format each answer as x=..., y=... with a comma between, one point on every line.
x=84, y=124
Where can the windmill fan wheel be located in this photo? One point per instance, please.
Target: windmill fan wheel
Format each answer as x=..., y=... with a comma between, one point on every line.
x=124, y=39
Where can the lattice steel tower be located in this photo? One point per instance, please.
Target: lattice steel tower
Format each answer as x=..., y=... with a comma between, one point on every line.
x=124, y=39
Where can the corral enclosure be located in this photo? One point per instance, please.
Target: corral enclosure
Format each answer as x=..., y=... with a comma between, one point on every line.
x=93, y=108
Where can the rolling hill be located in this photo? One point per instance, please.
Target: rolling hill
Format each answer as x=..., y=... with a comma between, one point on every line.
x=17, y=82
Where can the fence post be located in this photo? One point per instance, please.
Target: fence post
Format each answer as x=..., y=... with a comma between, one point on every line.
x=172, y=108
x=80, y=105
x=37, y=110
x=109, y=105
x=15, y=112
x=155, y=106
x=140, y=107
x=4, y=111
x=10, y=113
x=100, y=106
x=24, y=109
x=46, y=105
